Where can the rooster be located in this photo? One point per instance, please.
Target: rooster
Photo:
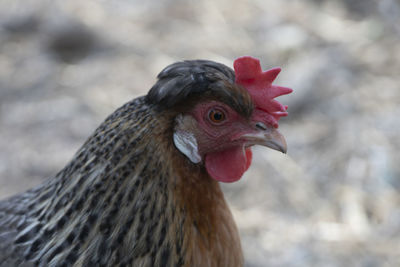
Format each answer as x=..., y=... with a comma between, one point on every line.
x=144, y=189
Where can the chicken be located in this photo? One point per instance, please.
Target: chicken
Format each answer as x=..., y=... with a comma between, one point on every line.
x=144, y=189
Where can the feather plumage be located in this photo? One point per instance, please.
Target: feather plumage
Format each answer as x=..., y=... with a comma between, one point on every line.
x=126, y=198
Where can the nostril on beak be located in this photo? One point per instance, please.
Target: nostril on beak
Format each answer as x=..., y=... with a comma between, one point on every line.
x=261, y=126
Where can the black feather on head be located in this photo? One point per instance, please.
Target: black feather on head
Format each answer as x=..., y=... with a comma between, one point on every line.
x=182, y=83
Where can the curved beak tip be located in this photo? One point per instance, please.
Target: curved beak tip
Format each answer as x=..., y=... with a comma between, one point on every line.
x=279, y=145
x=272, y=139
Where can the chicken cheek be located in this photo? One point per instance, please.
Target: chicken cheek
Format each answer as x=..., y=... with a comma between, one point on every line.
x=228, y=165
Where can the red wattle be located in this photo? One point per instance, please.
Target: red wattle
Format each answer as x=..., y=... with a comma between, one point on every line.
x=228, y=165
x=249, y=157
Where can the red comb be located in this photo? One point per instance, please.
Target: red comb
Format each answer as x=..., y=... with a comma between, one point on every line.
x=249, y=74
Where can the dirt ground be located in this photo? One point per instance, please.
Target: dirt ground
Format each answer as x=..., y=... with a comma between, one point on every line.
x=333, y=200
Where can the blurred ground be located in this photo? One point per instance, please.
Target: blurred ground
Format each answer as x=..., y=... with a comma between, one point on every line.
x=332, y=201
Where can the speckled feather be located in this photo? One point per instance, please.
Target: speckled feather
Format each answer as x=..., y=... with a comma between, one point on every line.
x=128, y=197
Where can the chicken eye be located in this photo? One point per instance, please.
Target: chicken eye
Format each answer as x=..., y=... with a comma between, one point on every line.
x=216, y=115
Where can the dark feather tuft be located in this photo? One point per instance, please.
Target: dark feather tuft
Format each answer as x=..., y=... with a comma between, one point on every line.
x=184, y=82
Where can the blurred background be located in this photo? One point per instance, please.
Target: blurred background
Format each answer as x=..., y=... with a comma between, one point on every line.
x=333, y=200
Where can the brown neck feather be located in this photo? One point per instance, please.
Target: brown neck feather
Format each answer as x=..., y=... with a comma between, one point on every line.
x=211, y=237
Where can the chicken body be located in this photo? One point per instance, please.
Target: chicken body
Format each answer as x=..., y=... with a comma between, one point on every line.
x=131, y=196
x=119, y=203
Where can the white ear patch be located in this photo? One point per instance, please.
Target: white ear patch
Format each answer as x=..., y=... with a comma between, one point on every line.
x=185, y=141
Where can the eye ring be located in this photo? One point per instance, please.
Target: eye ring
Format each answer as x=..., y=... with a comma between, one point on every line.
x=216, y=115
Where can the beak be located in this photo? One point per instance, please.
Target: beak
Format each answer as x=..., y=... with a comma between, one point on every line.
x=269, y=137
